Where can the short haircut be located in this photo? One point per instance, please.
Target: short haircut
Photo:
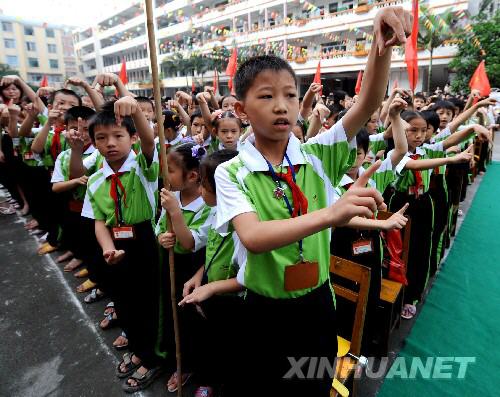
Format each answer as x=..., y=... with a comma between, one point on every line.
x=251, y=68
x=210, y=163
x=458, y=103
x=339, y=95
x=419, y=95
x=335, y=110
x=226, y=115
x=362, y=139
x=194, y=115
x=443, y=105
x=106, y=117
x=84, y=112
x=143, y=99
x=65, y=91
x=432, y=118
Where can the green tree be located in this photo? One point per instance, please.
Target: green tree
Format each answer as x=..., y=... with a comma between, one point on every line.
x=470, y=52
x=6, y=70
x=434, y=30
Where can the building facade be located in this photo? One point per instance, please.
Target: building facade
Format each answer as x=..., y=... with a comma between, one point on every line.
x=37, y=49
x=336, y=32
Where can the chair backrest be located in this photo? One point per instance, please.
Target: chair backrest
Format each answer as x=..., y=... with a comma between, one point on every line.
x=360, y=275
x=406, y=233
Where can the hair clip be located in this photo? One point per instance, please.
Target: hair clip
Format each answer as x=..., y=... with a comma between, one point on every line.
x=221, y=114
x=198, y=151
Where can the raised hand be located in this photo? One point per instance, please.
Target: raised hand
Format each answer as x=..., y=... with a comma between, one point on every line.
x=125, y=106
x=396, y=220
x=105, y=80
x=391, y=27
x=397, y=105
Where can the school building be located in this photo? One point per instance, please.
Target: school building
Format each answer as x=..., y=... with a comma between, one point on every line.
x=37, y=49
x=193, y=37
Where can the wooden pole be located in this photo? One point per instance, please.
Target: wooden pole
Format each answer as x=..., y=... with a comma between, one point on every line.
x=163, y=156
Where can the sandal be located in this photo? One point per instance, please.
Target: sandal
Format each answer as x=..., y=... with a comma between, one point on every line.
x=82, y=273
x=110, y=308
x=46, y=248
x=64, y=257
x=7, y=210
x=171, y=386
x=130, y=366
x=33, y=224
x=108, y=322
x=408, y=312
x=121, y=342
x=142, y=380
x=94, y=296
x=87, y=285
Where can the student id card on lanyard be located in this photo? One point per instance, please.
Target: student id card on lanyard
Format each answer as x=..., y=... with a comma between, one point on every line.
x=122, y=231
x=303, y=274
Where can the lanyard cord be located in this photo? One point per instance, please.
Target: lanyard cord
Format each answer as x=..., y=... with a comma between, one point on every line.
x=287, y=202
x=204, y=279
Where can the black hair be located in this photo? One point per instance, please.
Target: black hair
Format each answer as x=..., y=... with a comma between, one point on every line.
x=195, y=114
x=191, y=156
x=432, y=118
x=458, y=103
x=211, y=162
x=335, y=110
x=363, y=139
x=143, y=99
x=250, y=69
x=84, y=112
x=171, y=120
x=65, y=91
x=106, y=117
x=339, y=95
x=342, y=114
x=443, y=105
x=226, y=115
x=419, y=95
x=409, y=115
x=224, y=98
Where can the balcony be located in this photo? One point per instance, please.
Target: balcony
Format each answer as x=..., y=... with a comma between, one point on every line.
x=124, y=45
x=131, y=65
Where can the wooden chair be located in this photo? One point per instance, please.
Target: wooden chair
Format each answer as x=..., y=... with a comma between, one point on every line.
x=346, y=365
x=392, y=293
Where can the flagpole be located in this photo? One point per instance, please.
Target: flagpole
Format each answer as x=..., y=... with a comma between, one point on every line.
x=163, y=156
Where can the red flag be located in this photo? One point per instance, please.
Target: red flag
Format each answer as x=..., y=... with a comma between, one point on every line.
x=216, y=81
x=44, y=82
x=231, y=68
x=317, y=77
x=357, y=89
x=123, y=75
x=193, y=88
x=411, y=53
x=479, y=80
x=395, y=84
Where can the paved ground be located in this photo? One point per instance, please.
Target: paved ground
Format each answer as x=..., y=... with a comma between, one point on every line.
x=51, y=342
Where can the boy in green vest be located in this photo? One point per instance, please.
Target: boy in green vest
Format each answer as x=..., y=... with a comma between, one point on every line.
x=121, y=199
x=278, y=195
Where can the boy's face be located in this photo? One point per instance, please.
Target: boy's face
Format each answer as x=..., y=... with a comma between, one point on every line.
x=418, y=103
x=271, y=105
x=228, y=132
x=147, y=110
x=64, y=102
x=430, y=132
x=197, y=126
x=73, y=125
x=228, y=103
x=445, y=116
x=113, y=142
x=360, y=158
x=209, y=197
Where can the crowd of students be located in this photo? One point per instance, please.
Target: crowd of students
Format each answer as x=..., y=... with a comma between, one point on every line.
x=263, y=186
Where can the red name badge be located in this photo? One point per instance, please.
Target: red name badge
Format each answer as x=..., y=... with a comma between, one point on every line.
x=361, y=247
x=123, y=233
x=29, y=156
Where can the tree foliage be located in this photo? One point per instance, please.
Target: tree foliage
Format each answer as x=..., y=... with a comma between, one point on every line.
x=6, y=70
x=469, y=54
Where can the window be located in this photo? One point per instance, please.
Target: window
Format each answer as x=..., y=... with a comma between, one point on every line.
x=52, y=48
x=333, y=7
x=50, y=33
x=7, y=26
x=54, y=63
x=30, y=46
x=33, y=63
x=9, y=43
x=28, y=31
x=12, y=61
